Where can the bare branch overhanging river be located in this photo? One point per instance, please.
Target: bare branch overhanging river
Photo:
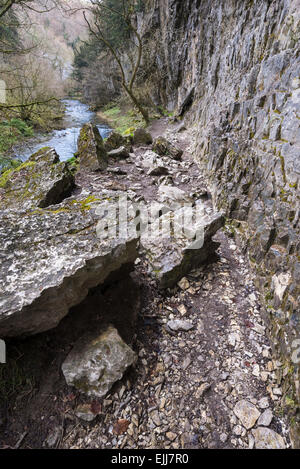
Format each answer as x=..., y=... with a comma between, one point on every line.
x=64, y=141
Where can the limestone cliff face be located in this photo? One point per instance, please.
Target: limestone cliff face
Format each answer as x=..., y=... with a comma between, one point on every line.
x=238, y=63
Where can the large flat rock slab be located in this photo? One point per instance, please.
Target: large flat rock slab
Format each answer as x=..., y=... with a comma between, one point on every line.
x=50, y=258
x=173, y=249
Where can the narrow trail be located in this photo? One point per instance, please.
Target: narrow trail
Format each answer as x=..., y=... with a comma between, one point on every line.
x=209, y=387
x=186, y=384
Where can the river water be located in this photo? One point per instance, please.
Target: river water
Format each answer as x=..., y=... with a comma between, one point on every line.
x=64, y=141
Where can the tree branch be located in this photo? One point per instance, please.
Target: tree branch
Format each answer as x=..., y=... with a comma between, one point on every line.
x=101, y=37
x=34, y=103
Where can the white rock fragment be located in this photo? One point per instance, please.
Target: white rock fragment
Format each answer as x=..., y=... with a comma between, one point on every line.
x=256, y=371
x=182, y=310
x=96, y=363
x=184, y=284
x=265, y=438
x=202, y=389
x=179, y=325
x=238, y=430
x=266, y=418
x=263, y=403
x=247, y=413
x=280, y=283
x=85, y=413
x=232, y=339
x=251, y=441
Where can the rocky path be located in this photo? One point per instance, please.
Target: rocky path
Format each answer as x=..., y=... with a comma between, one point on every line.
x=204, y=388
x=204, y=377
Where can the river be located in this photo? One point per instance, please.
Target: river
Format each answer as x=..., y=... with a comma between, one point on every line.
x=63, y=141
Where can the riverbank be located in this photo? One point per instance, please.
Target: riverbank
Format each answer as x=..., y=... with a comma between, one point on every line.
x=124, y=119
x=21, y=140
x=62, y=137
x=15, y=131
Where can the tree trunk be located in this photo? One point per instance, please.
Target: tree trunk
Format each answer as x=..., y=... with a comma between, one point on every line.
x=137, y=104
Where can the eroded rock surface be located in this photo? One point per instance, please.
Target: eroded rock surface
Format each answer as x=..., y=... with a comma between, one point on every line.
x=96, y=363
x=176, y=250
x=142, y=137
x=163, y=147
x=233, y=73
x=39, y=182
x=91, y=151
x=49, y=261
x=202, y=347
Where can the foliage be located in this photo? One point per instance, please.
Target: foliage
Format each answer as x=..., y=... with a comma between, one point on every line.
x=73, y=163
x=7, y=164
x=84, y=57
x=36, y=53
x=11, y=131
x=123, y=122
x=8, y=31
x=114, y=26
x=139, y=6
x=19, y=125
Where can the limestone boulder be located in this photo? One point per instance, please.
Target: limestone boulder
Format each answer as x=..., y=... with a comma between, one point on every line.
x=265, y=438
x=91, y=151
x=172, y=250
x=121, y=152
x=173, y=195
x=147, y=160
x=39, y=182
x=163, y=147
x=116, y=140
x=158, y=170
x=50, y=259
x=142, y=137
x=247, y=413
x=97, y=362
x=180, y=325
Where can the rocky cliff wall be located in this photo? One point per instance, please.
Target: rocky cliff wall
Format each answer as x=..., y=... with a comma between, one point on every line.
x=237, y=62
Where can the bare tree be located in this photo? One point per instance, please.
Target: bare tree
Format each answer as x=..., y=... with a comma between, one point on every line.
x=97, y=30
x=40, y=6
x=22, y=72
x=14, y=16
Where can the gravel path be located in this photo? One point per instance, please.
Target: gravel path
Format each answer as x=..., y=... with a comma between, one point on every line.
x=211, y=386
